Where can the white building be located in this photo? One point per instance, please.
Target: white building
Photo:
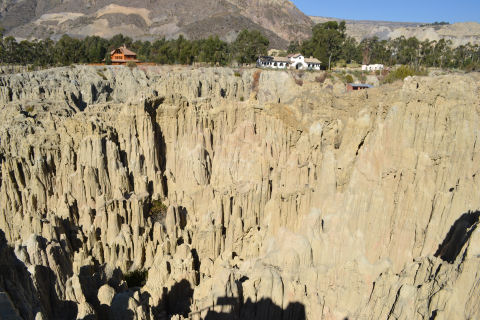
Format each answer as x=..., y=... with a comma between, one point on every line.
x=372, y=67
x=292, y=61
x=273, y=62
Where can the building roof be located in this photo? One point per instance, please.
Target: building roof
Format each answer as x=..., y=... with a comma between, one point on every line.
x=120, y=60
x=360, y=85
x=125, y=51
x=281, y=59
x=312, y=60
x=294, y=55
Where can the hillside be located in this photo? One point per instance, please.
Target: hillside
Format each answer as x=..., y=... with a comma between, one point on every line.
x=458, y=33
x=280, y=20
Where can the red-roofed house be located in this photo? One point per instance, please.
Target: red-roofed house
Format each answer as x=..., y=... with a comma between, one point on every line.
x=122, y=55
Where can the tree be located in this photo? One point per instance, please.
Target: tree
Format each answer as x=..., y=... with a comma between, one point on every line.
x=95, y=49
x=326, y=42
x=293, y=47
x=249, y=45
x=351, y=51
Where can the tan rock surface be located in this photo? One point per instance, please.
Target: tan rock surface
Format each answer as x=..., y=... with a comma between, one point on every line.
x=282, y=200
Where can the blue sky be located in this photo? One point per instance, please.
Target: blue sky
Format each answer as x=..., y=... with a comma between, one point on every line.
x=396, y=10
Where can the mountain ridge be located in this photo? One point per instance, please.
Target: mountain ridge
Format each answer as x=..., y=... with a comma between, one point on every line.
x=459, y=33
x=280, y=20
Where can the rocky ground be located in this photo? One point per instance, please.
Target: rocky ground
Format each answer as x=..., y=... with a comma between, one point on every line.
x=168, y=193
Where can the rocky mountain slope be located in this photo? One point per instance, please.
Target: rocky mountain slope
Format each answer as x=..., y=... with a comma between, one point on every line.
x=286, y=198
x=458, y=33
x=280, y=20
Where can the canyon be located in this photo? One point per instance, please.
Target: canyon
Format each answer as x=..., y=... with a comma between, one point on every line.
x=280, y=195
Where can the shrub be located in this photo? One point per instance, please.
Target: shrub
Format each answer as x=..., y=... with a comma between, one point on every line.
x=401, y=73
x=341, y=63
x=29, y=109
x=321, y=78
x=472, y=67
x=242, y=99
x=137, y=278
x=237, y=74
x=158, y=210
x=131, y=64
x=102, y=75
x=348, y=78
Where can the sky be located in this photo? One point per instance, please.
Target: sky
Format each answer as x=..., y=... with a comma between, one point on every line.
x=405, y=10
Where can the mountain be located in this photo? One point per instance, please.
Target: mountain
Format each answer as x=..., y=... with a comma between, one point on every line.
x=280, y=20
x=458, y=33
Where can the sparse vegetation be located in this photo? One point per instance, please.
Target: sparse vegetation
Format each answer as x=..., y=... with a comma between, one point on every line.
x=321, y=78
x=137, y=278
x=158, y=211
x=102, y=75
x=360, y=75
x=29, y=109
x=436, y=23
x=403, y=72
x=237, y=74
x=131, y=64
x=242, y=99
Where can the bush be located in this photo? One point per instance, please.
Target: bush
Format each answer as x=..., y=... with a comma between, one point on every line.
x=401, y=73
x=341, y=63
x=321, y=79
x=472, y=67
x=237, y=74
x=137, y=278
x=101, y=75
x=242, y=98
x=158, y=211
x=348, y=78
x=29, y=109
x=131, y=64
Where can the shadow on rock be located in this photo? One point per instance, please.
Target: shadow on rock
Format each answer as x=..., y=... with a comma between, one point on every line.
x=458, y=236
x=17, y=285
x=178, y=299
x=264, y=309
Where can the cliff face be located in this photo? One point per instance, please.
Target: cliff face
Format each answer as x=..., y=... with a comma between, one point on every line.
x=283, y=200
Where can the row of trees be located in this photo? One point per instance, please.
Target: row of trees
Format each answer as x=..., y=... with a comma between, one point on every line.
x=68, y=50
x=330, y=44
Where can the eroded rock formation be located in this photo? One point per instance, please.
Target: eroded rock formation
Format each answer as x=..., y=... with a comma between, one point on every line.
x=281, y=196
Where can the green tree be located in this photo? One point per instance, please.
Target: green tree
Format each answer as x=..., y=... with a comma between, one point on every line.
x=326, y=42
x=249, y=45
x=351, y=51
x=294, y=47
